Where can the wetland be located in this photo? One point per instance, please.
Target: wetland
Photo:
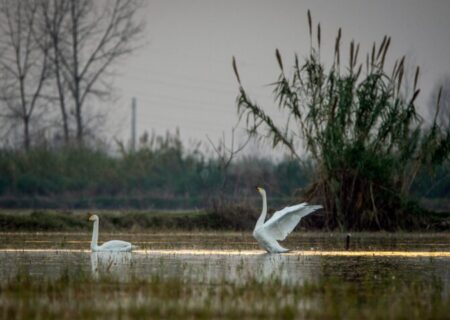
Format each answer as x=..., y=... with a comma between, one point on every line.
x=181, y=274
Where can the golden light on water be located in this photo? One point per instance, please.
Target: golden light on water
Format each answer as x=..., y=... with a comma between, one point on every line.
x=412, y=254
x=204, y=252
x=44, y=250
x=304, y=253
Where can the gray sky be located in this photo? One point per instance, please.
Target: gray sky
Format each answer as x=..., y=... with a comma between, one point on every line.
x=183, y=76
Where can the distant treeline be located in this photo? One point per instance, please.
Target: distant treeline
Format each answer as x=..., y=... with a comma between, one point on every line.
x=163, y=174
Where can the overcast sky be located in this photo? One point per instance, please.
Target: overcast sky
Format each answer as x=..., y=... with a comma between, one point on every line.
x=183, y=78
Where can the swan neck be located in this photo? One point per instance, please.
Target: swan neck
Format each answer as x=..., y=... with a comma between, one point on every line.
x=262, y=217
x=94, y=236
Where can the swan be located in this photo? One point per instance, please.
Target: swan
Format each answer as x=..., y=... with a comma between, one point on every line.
x=279, y=225
x=113, y=245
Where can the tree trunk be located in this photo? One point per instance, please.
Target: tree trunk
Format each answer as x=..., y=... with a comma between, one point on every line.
x=76, y=75
x=80, y=132
x=64, y=119
x=62, y=104
x=26, y=133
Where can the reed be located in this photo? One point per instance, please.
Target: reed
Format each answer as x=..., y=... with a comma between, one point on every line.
x=362, y=131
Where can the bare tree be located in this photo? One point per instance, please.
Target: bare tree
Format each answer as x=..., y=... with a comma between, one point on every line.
x=226, y=154
x=24, y=65
x=53, y=14
x=95, y=35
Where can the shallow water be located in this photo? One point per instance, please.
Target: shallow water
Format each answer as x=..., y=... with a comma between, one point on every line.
x=235, y=257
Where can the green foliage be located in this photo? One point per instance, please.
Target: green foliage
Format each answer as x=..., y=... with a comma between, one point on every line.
x=41, y=221
x=362, y=131
x=42, y=171
x=434, y=184
x=160, y=174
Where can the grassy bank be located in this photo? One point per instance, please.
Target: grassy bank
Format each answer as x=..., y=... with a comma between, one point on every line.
x=77, y=294
x=53, y=220
x=232, y=218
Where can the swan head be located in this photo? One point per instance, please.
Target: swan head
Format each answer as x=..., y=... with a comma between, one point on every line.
x=93, y=217
x=261, y=190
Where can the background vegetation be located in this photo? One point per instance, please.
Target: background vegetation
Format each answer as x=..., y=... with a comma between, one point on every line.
x=161, y=174
x=369, y=153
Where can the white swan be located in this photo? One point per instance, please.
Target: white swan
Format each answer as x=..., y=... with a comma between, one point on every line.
x=113, y=245
x=279, y=225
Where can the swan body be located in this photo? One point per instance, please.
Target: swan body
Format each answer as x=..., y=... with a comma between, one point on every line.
x=113, y=245
x=280, y=225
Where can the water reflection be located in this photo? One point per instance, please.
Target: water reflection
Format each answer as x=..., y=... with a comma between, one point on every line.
x=236, y=268
x=211, y=268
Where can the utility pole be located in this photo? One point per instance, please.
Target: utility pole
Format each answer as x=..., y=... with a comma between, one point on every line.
x=133, y=124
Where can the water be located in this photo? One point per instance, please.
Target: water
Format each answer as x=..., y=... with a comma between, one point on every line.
x=234, y=257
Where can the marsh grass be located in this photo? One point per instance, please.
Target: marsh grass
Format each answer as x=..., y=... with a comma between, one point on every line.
x=76, y=294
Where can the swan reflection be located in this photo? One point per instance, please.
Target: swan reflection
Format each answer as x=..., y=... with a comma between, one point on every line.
x=240, y=269
x=117, y=264
x=272, y=266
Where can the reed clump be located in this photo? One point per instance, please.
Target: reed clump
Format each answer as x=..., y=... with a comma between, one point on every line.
x=358, y=122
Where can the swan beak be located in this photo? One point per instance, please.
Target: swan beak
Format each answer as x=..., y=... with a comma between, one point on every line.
x=259, y=189
x=91, y=218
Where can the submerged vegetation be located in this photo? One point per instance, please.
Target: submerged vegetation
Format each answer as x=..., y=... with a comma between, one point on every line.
x=360, y=126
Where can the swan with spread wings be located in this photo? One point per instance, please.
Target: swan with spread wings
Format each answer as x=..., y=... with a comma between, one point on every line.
x=282, y=222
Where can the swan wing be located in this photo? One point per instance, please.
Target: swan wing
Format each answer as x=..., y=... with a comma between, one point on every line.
x=285, y=210
x=284, y=221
